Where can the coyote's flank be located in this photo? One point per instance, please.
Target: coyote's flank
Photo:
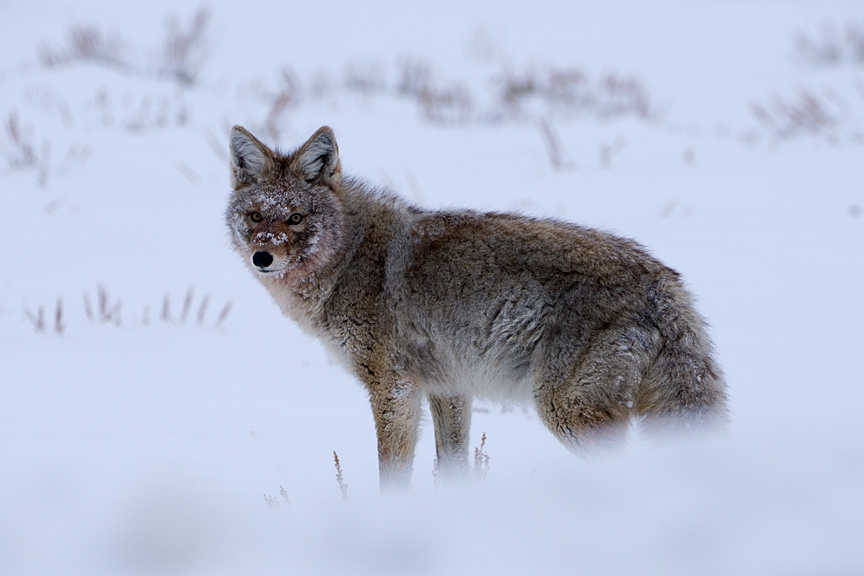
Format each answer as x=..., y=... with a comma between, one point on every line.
x=449, y=305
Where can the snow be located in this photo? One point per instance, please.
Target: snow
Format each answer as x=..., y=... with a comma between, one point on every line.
x=147, y=442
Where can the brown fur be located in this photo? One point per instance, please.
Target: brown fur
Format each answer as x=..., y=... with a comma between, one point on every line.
x=449, y=305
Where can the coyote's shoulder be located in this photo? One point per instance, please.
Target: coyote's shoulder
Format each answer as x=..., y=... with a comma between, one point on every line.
x=447, y=305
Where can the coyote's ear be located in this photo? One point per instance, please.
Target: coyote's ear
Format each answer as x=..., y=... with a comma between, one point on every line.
x=250, y=159
x=318, y=159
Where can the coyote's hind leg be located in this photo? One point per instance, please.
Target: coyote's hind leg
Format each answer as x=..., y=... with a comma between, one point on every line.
x=586, y=401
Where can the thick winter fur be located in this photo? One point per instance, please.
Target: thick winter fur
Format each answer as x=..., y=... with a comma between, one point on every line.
x=449, y=305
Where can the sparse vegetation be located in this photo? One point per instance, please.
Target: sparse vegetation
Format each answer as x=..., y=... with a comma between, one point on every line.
x=481, y=459
x=36, y=318
x=40, y=324
x=364, y=78
x=21, y=150
x=807, y=113
x=59, y=326
x=107, y=312
x=553, y=146
x=223, y=314
x=181, y=57
x=830, y=112
x=569, y=92
x=831, y=46
x=86, y=43
x=275, y=503
x=184, y=51
x=288, y=96
x=535, y=94
x=542, y=95
x=343, y=487
x=105, y=309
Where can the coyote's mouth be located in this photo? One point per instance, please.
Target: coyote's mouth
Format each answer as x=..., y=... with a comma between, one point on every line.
x=272, y=270
x=283, y=268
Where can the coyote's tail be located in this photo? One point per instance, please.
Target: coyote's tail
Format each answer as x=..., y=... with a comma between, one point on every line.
x=684, y=386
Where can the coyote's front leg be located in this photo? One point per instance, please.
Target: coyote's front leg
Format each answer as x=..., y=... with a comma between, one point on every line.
x=452, y=418
x=396, y=407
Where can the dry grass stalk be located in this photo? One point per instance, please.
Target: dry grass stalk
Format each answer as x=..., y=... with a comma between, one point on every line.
x=516, y=89
x=187, y=305
x=44, y=163
x=85, y=43
x=37, y=319
x=442, y=105
x=166, y=309
x=807, y=114
x=553, y=145
x=339, y=479
x=620, y=96
x=106, y=312
x=88, y=309
x=109, y=311
x=22, y=154
x=223, y=314
x=831, y=47
x=364, y=78
x=185, y=51
x=568, y=91
x=449, y=105
x=273, y=503
x=481, y=459
x=25, y=154
x=607, y=151
x=59, y=326
x=415, y=76
x=104, y=308
x=202, y=310
x=284, y=494
x=288, y=96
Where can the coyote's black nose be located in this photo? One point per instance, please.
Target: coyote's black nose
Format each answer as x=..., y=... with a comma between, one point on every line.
x=262, y=259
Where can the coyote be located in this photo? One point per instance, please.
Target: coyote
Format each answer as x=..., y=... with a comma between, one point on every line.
x=449, y=305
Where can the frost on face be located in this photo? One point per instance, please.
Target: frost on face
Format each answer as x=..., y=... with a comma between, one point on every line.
x=270, y=237
x=270, y=199
x=313, y=243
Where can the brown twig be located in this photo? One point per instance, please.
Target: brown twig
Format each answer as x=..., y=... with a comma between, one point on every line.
x=339, y=479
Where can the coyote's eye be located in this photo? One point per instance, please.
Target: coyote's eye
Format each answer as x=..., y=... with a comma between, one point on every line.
x=256, y=216
x=295, y=218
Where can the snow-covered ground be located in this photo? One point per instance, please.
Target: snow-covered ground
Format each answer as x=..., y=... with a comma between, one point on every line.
x=150, y=430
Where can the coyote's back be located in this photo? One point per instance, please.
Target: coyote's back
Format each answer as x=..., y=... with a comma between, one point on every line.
x=450, y=305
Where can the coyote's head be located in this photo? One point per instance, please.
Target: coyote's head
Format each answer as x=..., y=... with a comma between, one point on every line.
x=285, y=214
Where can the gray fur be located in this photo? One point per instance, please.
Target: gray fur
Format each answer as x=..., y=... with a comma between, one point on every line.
x=251, y=161
x=450, y=305
x=318, y=159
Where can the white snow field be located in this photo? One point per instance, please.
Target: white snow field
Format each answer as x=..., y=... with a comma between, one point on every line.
x=149, y=429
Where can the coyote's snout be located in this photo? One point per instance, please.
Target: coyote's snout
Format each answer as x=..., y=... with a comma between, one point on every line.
x=449, y=305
